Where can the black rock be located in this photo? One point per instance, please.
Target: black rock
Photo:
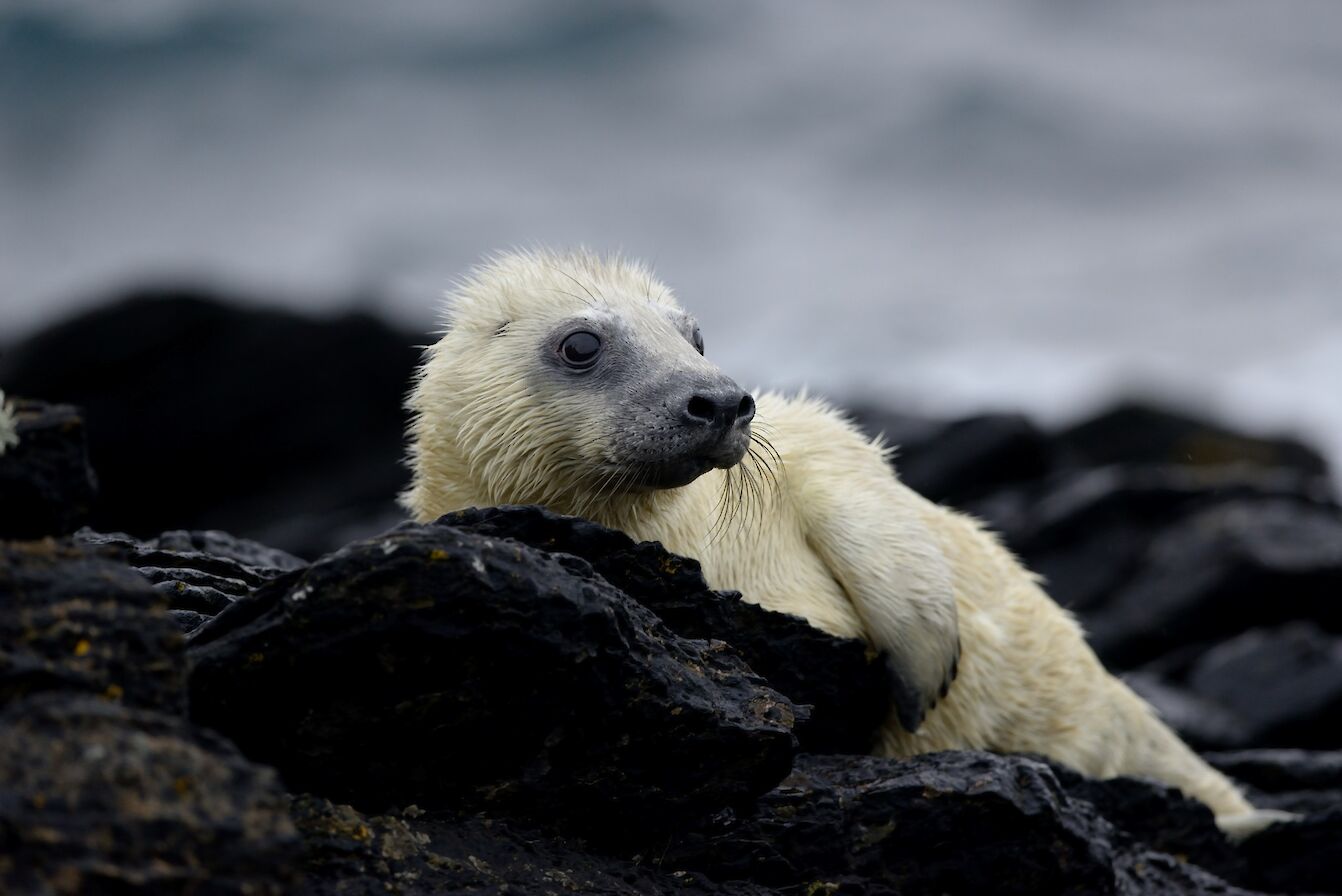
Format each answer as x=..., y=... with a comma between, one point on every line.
x=1302, y=856
x=198, y=573
x=844, y=681
x=1298, y=781
x=266, y=423
x=1284, y=684
x=1202, y=723
x=349, y=854
x=188, y=620
x=1088, y=532
x=208, y=551
x=1137, y=433
x=448, y=669
x=46, y=484
x=957, y=822
x=958, y=460
x=1278, y=770
x=1299, y=857
x=1160, y=817
x=100, y=798
x=71, y=620
x=1140, y=500
x=1231, y=567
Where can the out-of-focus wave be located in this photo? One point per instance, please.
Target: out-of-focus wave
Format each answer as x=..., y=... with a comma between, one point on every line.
x=1028, y=204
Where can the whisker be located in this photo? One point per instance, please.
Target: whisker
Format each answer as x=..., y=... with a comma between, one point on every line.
x=756, y=511
x=739, y=493
x=594, y=299
x=761, y=469
x=719, y=510
x=564, y=292
x=724, y=514
x=769, y=447
x=597, y=495
x=766, y=468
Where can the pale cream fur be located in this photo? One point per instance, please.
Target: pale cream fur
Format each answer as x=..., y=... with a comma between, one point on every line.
x=840, y=541
x=9, y=429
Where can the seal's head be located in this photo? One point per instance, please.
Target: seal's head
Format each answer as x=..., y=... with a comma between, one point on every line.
x=567, y=378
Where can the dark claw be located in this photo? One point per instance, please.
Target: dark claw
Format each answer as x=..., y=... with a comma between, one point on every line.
x=908, y=701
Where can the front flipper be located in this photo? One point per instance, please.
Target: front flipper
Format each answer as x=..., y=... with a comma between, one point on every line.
x=879, y=547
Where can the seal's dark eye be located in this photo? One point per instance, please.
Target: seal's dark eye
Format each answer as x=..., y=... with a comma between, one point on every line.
x=580, y=349
x=698, y=340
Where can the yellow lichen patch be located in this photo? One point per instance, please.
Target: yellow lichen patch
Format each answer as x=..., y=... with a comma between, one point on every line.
x=82, y=647
x=181, y=586
x=434, y=860
x=182, y=786
x=821, y=888
x=338, y=821
x=114, y=691
x=256, y=659
x=438, y=554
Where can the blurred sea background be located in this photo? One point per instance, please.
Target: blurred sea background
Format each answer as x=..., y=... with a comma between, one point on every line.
x=946, y=207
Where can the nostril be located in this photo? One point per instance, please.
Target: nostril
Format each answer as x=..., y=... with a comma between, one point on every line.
x=746, y=411
x=702, y=408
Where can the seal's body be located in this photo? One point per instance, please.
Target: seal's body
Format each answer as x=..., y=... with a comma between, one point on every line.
x=578, y=383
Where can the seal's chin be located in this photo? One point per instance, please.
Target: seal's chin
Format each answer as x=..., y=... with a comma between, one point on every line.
x=682, y=470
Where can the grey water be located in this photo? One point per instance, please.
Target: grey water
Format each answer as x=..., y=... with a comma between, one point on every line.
x=947, y=206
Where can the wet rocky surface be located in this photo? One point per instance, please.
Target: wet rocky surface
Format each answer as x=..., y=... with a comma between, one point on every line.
x=458, y=671
x=887, y=826
x=198, y=573
x=103, y=798
x=348, y=853
x=73, y=621
x=842, y=682
x=510, y=701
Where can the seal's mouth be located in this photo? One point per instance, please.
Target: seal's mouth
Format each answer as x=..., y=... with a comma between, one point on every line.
x=675, y=474
x=684, y=468
x=732, y=452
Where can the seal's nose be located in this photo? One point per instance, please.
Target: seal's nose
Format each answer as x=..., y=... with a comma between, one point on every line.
x=721, y=407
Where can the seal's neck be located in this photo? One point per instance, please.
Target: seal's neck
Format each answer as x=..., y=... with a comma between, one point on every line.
x=637, y=512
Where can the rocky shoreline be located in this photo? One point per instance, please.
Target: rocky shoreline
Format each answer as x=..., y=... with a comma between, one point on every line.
x=510, y=701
